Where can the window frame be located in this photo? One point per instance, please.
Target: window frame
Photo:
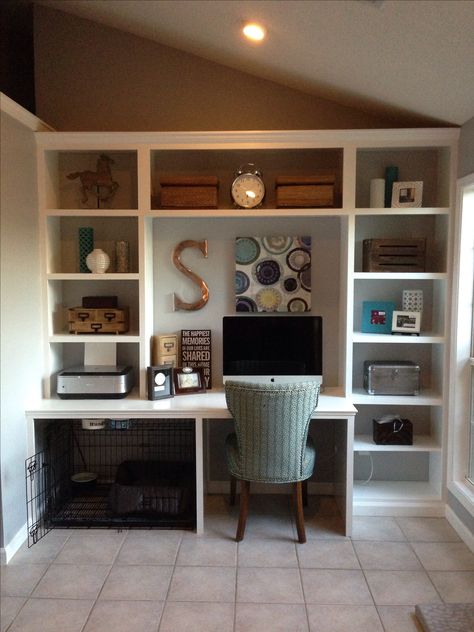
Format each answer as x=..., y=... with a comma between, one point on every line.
x=461, y=363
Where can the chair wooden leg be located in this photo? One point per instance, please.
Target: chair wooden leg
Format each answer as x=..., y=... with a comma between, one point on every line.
x=305, y=493
x=298, y=498
x=233, y=484
x=244, y=509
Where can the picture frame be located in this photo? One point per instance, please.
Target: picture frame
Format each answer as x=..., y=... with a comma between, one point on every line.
x=412, y=300
x=408, y=323
x=160, y=382
x=377, y=317
x=188, y=380
x=407, y=194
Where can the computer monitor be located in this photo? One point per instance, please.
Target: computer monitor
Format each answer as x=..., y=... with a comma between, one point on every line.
x=273, y=348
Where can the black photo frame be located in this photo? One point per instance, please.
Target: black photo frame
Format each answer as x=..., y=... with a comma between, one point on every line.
x=160, y=382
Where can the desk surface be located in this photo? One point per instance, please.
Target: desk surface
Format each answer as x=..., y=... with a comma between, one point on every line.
x=209, y=405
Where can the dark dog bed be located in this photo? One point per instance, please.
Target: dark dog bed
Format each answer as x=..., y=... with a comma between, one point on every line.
x=151, y=487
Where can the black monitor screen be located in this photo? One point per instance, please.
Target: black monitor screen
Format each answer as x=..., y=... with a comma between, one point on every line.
x=272, y=345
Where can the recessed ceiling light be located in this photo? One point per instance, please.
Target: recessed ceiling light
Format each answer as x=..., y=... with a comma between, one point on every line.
x=254, y=31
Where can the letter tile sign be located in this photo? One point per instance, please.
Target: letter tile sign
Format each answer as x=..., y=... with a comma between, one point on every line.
x=273, y=274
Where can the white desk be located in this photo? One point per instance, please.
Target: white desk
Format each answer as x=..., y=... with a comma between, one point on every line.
x=201, y=407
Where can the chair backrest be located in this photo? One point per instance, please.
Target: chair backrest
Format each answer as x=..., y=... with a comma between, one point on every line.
x=271, y=424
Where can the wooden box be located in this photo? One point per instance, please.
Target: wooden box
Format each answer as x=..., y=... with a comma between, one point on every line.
x=98, y=321
x=189, y=191
x=305, y=191
x=393, y=255
x=165, y=349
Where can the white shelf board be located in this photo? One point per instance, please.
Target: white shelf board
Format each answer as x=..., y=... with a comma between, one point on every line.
x=417, y=276
x=426, y=398
x=90, y=212
x=421, y=443
x=424, y=338
x=81, y=338
x=242, y=212
x=380, y=212
x=394, y=491
x=88, y=276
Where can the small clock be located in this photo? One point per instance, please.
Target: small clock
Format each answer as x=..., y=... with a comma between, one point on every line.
x=248, y=189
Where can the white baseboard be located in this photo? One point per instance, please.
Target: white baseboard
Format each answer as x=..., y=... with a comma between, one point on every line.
x=7, y=552
x=386, y=508
x=463, y=532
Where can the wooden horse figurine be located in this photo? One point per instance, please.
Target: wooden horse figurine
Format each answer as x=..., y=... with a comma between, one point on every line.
x=100, y=179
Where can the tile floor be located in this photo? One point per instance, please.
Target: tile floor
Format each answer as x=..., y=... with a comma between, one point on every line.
x=173, y=581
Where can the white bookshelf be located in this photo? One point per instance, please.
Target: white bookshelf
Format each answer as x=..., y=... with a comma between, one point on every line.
x=339, y=283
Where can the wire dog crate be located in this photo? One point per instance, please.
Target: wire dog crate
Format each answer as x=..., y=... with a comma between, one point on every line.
x=128, y=473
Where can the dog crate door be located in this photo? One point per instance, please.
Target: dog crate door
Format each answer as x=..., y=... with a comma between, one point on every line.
x=39, y=496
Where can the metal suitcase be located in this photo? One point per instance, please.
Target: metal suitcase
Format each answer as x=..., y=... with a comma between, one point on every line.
x=382, y=377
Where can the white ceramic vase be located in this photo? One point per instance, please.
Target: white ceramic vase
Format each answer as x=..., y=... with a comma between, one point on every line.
x=98, y=261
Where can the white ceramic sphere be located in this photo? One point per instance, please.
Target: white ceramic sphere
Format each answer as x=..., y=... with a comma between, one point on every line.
x=98, y=261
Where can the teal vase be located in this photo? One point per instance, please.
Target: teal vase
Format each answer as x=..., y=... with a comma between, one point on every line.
x=86, y=246
x=391, y=176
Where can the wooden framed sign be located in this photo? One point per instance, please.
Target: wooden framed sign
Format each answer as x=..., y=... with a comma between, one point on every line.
x=196, y=352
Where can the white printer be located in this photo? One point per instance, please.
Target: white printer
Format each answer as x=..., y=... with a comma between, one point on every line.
x=95, y=382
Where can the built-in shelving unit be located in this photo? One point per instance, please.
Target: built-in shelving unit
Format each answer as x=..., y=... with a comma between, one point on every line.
x=402, y=478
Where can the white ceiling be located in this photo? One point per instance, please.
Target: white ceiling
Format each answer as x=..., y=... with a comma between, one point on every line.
x=410, y=56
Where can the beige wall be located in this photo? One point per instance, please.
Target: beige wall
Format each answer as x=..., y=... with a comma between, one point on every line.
x=466, y=149
x=21, y=357
x=91, y=77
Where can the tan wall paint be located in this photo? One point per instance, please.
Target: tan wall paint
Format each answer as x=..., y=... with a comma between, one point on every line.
x=466, y=149
x=92, y=77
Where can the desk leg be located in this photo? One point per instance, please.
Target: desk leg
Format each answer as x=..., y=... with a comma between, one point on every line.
x=349, y=474
x=199, y=476
x=344, y=469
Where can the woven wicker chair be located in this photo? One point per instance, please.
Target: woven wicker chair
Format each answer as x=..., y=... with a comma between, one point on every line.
x=270, y=443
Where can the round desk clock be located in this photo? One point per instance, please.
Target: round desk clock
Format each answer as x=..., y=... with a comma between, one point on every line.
x=248, y=188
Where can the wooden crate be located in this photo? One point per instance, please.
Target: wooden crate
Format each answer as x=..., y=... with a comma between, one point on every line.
x=98, y=321
x=393, y=255
x=305, y=191
x=189, y=191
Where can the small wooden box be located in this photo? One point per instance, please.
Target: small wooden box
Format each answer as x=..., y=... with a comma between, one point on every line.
x=305, y=191
x=98, y=321
x=165, y=350
x=189, y=191
x=393, y=255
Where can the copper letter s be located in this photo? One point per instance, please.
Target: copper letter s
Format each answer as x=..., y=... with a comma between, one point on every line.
x=177, y=302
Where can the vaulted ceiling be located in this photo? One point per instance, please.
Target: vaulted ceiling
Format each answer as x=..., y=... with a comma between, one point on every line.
x=406, y=56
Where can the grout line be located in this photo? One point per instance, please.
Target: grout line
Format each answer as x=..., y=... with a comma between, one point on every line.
x=299, y=550
x=236, y=585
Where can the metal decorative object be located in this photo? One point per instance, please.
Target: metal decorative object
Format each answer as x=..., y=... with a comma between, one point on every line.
x=100, y=182
x=122, y=256
x=177, y=302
